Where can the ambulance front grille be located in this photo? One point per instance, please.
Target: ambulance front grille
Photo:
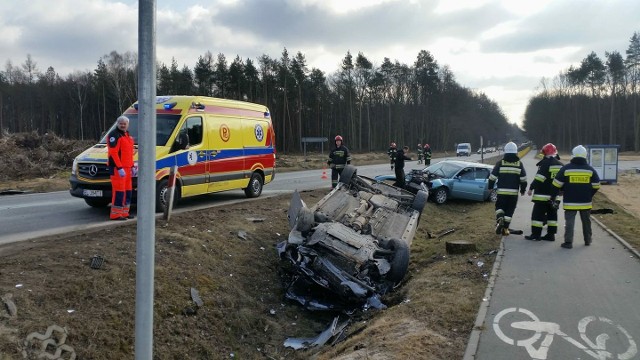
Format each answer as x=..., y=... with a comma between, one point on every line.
x=94, y=171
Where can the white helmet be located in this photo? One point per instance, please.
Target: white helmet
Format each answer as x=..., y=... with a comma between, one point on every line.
x=579, y=151
x=511, y=148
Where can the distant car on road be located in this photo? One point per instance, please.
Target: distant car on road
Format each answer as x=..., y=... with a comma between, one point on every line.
x=463, y=149
x=453, y=179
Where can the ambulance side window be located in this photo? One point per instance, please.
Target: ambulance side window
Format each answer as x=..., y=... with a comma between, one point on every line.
x=190, y=134
x=194, y=130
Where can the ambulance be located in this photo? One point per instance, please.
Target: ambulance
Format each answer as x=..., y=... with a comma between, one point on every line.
x=216, y=145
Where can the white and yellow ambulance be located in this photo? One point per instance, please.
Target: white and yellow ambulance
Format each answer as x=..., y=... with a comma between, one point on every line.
x=216, y=144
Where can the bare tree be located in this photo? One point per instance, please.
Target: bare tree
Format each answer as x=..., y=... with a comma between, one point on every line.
x=79, y=86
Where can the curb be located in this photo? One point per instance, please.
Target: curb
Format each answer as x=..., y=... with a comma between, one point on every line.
x=478, y=326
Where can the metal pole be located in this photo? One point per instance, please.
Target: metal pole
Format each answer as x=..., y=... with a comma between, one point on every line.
x=145, y=246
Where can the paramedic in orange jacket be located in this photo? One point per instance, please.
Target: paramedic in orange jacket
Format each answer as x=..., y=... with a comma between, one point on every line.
x=120, y=145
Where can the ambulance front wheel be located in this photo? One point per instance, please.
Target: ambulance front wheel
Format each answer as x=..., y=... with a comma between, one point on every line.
x=162, y=195
x=254, y=189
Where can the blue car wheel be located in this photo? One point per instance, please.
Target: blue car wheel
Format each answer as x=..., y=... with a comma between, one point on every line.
x=440, y=195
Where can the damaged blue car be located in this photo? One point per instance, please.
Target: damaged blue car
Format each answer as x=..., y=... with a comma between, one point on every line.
x=352, y=246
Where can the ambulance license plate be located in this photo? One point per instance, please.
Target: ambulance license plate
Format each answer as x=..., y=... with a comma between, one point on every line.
x=92, y=193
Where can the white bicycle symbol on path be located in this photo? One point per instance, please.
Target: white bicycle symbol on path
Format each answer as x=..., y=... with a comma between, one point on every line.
x=596, y=349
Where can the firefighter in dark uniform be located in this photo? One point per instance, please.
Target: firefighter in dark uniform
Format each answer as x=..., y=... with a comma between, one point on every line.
x=420, y=150
x=338, y=159
x=544, y=209
x=120, y=149
x=511, y=178
x=393, y=150
x=579, y=182
x=427, y=154
x=401, y=156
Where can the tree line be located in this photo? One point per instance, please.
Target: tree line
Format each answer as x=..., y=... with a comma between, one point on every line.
x=595, y=102
x=369, y=105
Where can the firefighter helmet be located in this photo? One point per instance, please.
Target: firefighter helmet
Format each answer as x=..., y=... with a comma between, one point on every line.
x=579, y=151
x=549, y=150
x=511, y=148
x=338, y=138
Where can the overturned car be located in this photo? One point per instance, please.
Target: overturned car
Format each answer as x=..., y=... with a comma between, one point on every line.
x=352, y=246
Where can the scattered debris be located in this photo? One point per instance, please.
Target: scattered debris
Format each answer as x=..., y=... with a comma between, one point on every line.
x=9, y=306
x=255, y=220
x=334, y=331
x=242, y=235
x=96, y=262
x=445, y=233
x=195, y=296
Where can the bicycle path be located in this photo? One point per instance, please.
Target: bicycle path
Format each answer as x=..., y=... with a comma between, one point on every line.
x=547, y=302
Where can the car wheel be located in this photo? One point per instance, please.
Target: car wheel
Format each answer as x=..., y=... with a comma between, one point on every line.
x=420, y=201
x=97, y=203
x=400, y=260
x=440, y=196
x=347, y=174
x=254, y=189
x=162, y=195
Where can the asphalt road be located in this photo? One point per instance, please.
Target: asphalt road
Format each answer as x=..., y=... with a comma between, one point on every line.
x=555, y=303
x=30, y=216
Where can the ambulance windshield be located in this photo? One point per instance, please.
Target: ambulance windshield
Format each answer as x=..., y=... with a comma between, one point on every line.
x=165, y=124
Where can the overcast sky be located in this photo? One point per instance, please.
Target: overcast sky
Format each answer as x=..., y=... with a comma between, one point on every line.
x=502, y=48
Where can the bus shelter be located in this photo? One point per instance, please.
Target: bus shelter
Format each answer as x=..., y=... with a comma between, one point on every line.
x=604, y=158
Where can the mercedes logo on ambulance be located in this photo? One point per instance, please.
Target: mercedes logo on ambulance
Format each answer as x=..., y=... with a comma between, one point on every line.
x=93, y=170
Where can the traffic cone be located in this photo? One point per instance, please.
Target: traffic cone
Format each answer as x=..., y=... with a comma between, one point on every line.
x=324, y=173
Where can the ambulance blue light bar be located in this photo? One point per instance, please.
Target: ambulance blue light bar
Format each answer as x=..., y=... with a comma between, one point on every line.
x=170, y=106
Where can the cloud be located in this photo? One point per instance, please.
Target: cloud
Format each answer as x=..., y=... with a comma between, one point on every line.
x=501, y=47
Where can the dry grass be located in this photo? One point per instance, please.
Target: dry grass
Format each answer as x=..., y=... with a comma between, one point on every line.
x=240, y=282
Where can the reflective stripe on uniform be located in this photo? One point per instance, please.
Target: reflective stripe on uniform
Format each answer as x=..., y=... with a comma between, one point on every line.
x=557, y=183
x=541, y=197
x=535, y=223
x=502, y=191
x=540, y=177
x=577, y=206
x=552, y=223
x=509, y=170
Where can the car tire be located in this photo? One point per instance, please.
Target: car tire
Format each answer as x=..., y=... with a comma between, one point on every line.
x=97, y=203
x=162, y=195
x=347, y=175
x=420, y=201
x=440, y=195
x=399, y=261
x=254, y=189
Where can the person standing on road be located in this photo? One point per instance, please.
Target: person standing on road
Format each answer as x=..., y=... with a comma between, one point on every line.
x=338, y=159
x=420, y=150
x=544, y=209
x=510, y=176
x=120, y=149
x=393, y=150
x=401, y=156
x=579, y=182
x=427, y=154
